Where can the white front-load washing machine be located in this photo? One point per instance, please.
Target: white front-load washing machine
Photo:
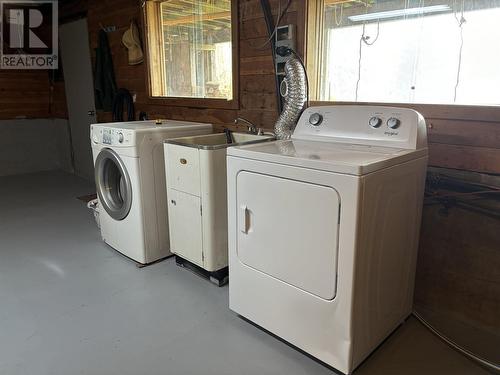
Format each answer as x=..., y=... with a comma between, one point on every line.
x=323, y=229
x=130, y=180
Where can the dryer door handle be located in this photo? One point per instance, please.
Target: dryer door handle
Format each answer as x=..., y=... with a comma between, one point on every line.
x=243, y=214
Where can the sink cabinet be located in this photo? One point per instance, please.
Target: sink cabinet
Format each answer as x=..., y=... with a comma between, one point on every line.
x=197, y=199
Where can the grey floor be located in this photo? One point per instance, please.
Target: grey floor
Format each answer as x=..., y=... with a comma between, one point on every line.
x=71, y=305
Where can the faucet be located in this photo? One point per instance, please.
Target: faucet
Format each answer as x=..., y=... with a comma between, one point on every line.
x=252, y=129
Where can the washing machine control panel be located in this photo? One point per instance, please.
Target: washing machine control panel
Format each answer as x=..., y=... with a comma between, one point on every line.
x=107, y=136
x=361, y=124
x=112, y=136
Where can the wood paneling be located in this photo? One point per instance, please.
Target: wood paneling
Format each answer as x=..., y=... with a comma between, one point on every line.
x=250, y=9
x=258, y=65
x=467, y=133
x=458, y=278
x=479, y=159
x=256, y=28
x=28, y=94
x=464, y=144
x=256, y=93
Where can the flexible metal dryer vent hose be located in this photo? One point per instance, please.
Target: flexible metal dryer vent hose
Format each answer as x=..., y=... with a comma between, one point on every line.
x=294, y=90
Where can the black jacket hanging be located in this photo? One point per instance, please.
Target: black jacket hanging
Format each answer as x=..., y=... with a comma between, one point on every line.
x=104, y=81
x=123, y=100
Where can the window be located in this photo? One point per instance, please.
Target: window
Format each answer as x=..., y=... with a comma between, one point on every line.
x=408, y=51
x=190, y=49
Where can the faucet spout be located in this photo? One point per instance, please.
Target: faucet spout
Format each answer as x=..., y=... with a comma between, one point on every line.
x=252, y=129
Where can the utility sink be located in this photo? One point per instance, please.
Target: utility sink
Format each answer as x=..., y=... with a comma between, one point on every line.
x=220, y=140
x=195, y=170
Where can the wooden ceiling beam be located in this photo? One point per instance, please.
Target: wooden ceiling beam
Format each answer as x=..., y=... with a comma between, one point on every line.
x=187, y=6
x=193, y=18
x=339, y=2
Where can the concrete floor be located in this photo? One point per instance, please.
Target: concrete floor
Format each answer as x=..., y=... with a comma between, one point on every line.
x=71, y=305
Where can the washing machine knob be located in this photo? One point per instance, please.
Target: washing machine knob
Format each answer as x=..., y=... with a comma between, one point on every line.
x=393, y=123
x=120, y=137
x=315, y=119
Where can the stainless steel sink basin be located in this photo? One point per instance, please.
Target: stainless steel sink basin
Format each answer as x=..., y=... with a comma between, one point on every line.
x=219, y=140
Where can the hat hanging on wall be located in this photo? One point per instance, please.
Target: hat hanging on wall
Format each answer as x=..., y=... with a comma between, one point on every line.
x=132, y=41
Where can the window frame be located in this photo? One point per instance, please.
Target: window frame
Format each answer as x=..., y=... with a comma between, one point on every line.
x=313, y=25
x=213, y=103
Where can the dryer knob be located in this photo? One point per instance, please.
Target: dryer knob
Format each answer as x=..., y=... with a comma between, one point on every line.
x=375, y=122
x=316, y=119
x=393, y=123
x=120, y=137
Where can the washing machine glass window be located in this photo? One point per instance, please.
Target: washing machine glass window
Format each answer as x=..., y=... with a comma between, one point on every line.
x=113, y=184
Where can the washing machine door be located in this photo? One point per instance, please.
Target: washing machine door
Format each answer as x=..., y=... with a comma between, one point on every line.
x=113, y=184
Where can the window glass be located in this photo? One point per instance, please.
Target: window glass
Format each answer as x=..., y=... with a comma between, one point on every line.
x=195, y=56
x=404, y=51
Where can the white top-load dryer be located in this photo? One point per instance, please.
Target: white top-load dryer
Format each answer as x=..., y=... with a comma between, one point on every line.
x=324, y=228
x=130, y=181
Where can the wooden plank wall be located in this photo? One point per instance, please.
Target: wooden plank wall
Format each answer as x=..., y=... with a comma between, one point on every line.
x=257, y=92
x=472, y=145
x=27, y=94
x=463, y=137
x=30, y=94
x=458, y=265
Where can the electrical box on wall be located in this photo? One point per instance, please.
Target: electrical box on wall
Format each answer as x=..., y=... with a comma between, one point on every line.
x=284, y=37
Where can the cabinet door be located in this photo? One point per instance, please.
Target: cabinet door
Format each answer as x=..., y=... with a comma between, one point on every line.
x=288, y=230
x=182, y=168
x=184, y=215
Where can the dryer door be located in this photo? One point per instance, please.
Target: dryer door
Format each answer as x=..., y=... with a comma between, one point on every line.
x=288, y=230
x=113, y=184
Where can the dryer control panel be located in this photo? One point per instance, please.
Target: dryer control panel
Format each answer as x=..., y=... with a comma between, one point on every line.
x=359, y=124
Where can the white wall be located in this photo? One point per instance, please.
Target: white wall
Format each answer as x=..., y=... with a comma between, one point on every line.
x=33, y=145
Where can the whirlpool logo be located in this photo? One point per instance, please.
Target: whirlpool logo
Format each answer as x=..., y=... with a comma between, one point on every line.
x=28, y=34
x=391, y=133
